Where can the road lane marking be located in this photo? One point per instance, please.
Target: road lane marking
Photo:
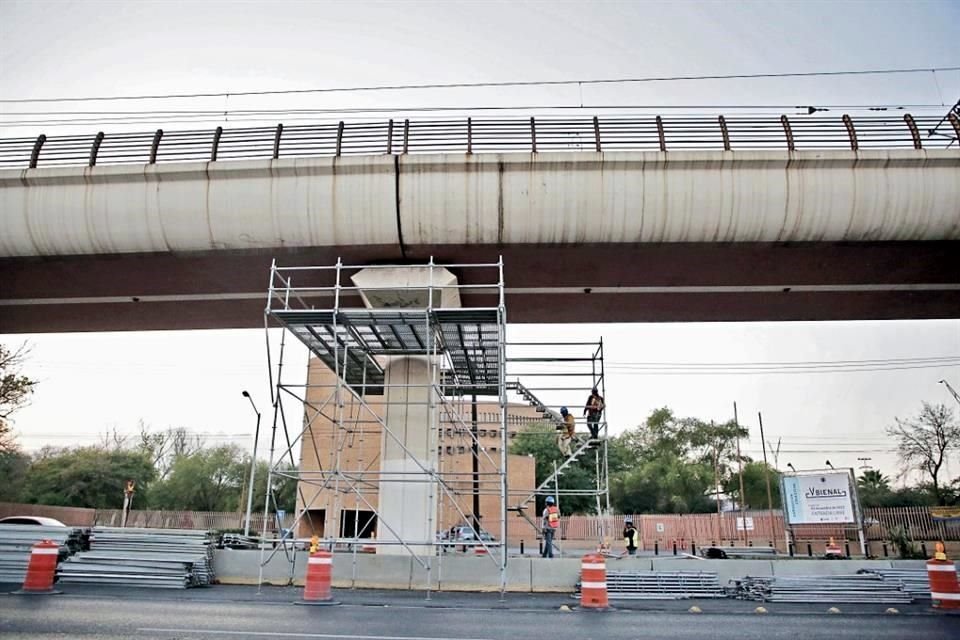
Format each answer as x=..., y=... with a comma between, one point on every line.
x=277, y=634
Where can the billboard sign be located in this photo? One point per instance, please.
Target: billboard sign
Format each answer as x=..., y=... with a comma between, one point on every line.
x=816, y=498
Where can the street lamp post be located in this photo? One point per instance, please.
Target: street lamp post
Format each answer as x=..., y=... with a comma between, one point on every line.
x=253, y=466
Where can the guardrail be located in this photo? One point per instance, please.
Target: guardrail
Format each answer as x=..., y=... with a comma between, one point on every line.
x=524, y=135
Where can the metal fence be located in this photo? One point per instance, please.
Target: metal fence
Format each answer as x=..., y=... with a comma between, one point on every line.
x=162, y=519
x=762, y=526
x=482, y=135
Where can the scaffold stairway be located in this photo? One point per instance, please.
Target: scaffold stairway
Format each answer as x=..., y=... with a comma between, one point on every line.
x=536, y=403
x=554, y=477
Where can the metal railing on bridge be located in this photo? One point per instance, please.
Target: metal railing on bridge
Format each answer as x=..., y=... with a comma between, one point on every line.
x=522, y=135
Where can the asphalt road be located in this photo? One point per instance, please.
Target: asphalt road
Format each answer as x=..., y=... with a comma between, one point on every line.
x=226, y=613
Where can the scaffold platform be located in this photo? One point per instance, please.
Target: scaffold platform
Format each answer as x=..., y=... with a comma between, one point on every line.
x=348, y=341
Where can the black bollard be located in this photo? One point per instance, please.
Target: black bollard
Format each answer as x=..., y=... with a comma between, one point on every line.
x=846, y=547
x=656, y=547
x=675, y=548
x=809, y=550
x=885, y=553
x=521, y=547
x=790, y=549
x=541, y=547
x=750, y=543
x=693, y=548
x=923, y=549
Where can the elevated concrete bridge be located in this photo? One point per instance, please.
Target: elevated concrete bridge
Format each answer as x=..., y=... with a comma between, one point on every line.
x=602, y=220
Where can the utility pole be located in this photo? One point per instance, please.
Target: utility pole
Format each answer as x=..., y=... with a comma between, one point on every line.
x=716, y=486
x=743, y=514
x=128, y=491
x=766, y=475
x=952, y=391
x=253, y=468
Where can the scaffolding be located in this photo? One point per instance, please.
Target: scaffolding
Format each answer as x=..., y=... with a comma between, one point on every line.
x=541, y=370
x=355, y=344
x=463, y=352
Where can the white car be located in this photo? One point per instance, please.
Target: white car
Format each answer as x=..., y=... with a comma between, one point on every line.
x=40, y=521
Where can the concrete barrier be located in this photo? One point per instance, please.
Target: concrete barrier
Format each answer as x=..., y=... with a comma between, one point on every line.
x=372, y=571
x=909, y=564
x=725, y=569
x=524, y=575
x=554, y=574
x=234, y=566
x=825, y=567
x=482, y=574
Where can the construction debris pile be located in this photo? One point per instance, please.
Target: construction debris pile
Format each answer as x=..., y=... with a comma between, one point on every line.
x=16, y=541
x=156, y=558
x=856, y=588
x=662, y=585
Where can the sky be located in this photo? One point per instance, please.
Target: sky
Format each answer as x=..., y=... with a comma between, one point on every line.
x=90, y=383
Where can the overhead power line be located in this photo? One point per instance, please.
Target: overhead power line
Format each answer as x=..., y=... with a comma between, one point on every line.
x=477, y=85
x=790, y=363
x=430, y=108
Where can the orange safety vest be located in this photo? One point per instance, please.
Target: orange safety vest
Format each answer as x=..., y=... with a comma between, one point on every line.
x=553, y=517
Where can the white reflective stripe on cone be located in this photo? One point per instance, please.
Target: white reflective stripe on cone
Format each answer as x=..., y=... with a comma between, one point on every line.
x=941, y=567
x=320, y=561
x=593, y=565
x=593, y=585
x=944, y=596
x=46, y=551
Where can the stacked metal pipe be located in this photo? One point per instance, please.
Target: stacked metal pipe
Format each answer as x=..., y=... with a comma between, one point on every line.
x=738, y=552
x=662, y=585
x=916, y=582
x=856, y=588
x=157, y=558
x=16, y=541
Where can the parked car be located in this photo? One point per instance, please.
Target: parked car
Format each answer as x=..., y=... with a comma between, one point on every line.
x=39, y=521
x=465, y=533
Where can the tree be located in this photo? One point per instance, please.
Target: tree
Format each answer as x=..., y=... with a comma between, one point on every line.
x=675, y=464
x=15, y=390
x=755, y=485
x=13, y=471
x=86, y=477
x=925, y=441
x=164, y=447
x=873, y=489
x=206, y=480
x=539, y=440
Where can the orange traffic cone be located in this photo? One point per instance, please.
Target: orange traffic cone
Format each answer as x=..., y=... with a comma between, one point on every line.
x=833, y=549
x=42, y=569
x=944, y=589
x=316, y=588
x=593, y=583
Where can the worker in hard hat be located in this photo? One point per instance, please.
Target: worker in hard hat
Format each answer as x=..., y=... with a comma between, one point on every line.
x=630, y=537
x=566, y=437
x=593, y=411
x=550, y=522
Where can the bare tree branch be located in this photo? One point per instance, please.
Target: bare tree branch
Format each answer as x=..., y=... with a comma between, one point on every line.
x=925, y=441
x=15, y=390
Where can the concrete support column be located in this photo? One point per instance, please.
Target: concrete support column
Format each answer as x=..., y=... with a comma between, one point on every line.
x=407, y=500
x=407, y=494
